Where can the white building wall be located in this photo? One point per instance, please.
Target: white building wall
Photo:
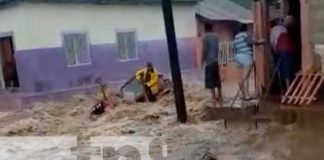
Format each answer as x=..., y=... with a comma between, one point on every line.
x=41, y=25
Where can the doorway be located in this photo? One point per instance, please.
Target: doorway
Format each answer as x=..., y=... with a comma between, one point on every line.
x=8, y=71
x=291, y=8
x=295, y=31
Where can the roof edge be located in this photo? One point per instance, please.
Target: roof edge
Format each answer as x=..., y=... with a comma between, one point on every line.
x=243, y=21
x=8, y=3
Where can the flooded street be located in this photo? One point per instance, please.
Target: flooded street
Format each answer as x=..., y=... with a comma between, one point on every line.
x=275, y=140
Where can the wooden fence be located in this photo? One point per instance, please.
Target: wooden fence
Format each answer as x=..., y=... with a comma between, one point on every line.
x=226, y=52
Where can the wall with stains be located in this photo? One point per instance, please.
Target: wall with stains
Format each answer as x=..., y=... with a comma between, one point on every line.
x=41, y=70
x=41, y=25
x=41, y=60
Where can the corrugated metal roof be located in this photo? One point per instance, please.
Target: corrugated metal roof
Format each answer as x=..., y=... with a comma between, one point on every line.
x=7, y=3
x=2, y=2
x=223, y=10
x=244, y=3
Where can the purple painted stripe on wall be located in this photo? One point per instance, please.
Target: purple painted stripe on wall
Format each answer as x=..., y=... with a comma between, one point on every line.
x=45, y=69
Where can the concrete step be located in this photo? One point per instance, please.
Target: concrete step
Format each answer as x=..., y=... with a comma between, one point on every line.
x=219, y=113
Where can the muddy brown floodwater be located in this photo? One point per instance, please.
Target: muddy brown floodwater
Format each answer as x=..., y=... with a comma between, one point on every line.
x=301, y=140
x=307, y=142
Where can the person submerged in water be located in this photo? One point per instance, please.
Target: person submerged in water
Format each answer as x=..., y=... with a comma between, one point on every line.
x=100, y=107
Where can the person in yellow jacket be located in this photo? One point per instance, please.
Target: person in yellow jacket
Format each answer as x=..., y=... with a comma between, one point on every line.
x=150, y=79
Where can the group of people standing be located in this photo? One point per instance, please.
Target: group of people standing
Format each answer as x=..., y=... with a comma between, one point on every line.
x=281, y=44
x=243, y=59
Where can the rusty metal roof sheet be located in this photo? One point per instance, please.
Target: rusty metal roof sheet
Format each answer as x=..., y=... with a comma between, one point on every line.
x=223, y=10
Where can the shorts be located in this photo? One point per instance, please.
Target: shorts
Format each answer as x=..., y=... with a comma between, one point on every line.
x=212, y=77
x=243, y=61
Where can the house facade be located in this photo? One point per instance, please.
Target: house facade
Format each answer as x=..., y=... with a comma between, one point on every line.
x=60, y=46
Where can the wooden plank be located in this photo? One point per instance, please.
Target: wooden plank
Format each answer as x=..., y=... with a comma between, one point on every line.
x=266, y=37
x=316, y=76
x=2, y=79
x=198, y=41
x=307, y=54
x=316, y=89
x=225, y=54
x=232, y=50
x=290, y=89
x=223, y=51
x=307, y=98
x=304, y=87
x=220, y=53
x=259, y=50
x=228, y=53
x=296, y=90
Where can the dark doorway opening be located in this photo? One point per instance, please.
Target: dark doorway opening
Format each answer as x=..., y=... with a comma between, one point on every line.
x=278, y=85
x=9, y=75
x=295, y=32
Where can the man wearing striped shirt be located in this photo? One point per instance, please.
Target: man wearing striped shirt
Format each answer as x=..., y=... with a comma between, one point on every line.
x=243, y=57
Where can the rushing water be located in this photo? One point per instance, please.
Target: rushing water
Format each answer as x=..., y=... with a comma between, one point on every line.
x=307, y=141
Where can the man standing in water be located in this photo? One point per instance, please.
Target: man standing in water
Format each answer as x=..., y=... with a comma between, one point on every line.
x=210, y=61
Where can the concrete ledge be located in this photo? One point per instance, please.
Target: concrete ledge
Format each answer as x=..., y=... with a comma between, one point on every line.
x=220, y=113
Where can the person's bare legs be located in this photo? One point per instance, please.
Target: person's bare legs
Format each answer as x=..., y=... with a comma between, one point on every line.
x=241, y=82
x=246, y=83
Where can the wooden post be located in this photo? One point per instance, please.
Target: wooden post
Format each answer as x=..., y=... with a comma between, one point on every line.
x=267, y=59
x=307, y=54
x=198, y=42
x=174, y=61
x=2, y=81
x=259, y=50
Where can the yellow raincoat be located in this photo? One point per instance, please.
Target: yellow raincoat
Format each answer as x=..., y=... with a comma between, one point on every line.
x=152, y=83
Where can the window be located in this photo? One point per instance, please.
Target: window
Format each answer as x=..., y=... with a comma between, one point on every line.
x=127, y=45
x=77, y=49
